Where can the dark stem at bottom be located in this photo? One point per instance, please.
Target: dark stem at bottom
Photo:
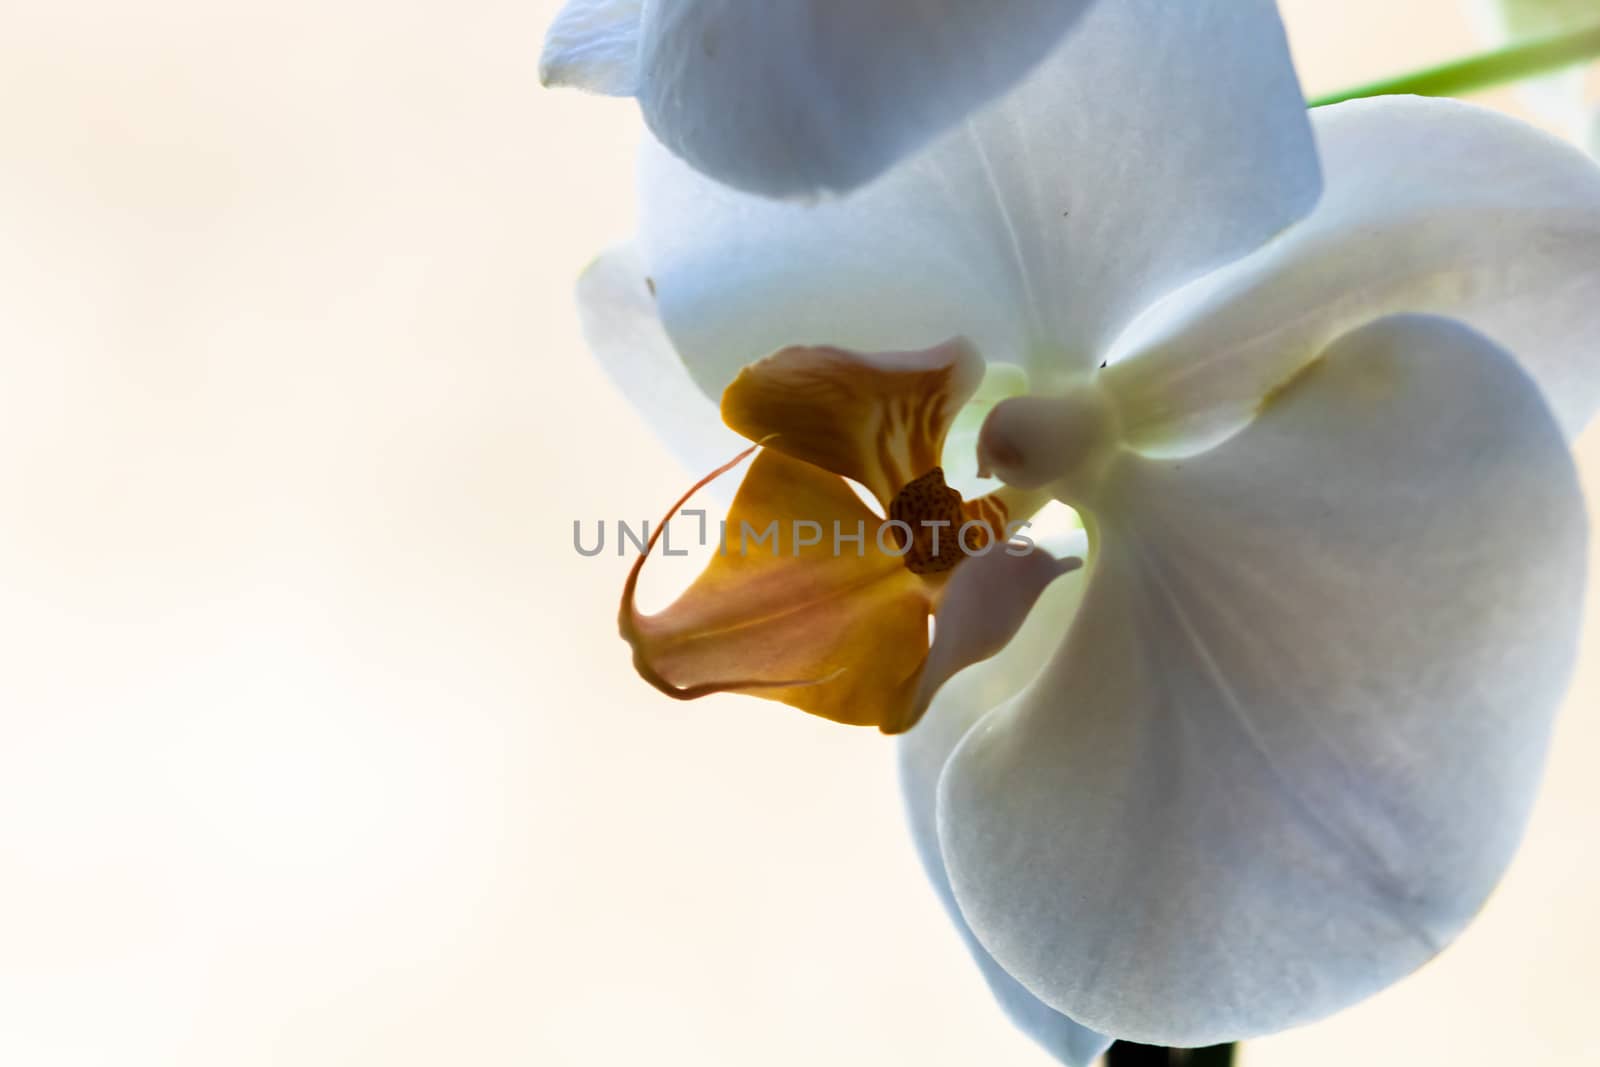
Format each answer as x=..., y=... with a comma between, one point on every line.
x=1127, y=1054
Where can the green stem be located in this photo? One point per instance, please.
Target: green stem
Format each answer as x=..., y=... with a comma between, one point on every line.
x=1486, y=71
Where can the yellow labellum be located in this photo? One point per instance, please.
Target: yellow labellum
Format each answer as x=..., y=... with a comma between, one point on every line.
x=835, y=623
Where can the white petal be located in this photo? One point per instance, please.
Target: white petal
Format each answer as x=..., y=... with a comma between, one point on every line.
x=984, y=605
x=794, y=97
x=1431, y=206
x=1292, y=739
x=1159, y=142
x=594, y=45
x=922, y=754
x=618, y=315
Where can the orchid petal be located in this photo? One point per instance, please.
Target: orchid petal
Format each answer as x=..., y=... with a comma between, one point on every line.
x=981, y=609
x=618, y=314
x=837, y=633
x=922, y=754
x=1431, y=206
x=878, y=418
x=1291, y=741
x=594, y=45
x=795, y=97
x=1026, y=229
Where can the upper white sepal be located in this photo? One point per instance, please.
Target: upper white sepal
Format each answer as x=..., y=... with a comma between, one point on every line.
x=594, y=45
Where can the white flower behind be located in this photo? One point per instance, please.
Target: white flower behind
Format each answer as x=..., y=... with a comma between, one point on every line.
x=1562, y=98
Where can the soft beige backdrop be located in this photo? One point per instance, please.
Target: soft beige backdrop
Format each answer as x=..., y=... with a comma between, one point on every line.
x=318, y=747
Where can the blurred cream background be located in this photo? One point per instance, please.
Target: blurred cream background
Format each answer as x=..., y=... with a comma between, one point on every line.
x=318, y=746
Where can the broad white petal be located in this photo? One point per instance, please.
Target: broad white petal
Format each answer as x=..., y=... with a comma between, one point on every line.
x=618, y=316
x=594, y=45
x=1291, y=741
x=922, y=754
x=1159, y=142
x=1431, y=206
x=794, y=97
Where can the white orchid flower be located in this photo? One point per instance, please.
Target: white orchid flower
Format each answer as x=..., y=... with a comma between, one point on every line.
x=797, y=97
x=1272, y=747
x=1561, y=98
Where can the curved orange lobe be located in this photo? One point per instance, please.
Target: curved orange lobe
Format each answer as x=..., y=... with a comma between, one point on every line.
x=879, y=418
x=792, y=607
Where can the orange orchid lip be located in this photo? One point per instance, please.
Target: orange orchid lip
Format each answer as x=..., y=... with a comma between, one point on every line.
x=839, y=633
